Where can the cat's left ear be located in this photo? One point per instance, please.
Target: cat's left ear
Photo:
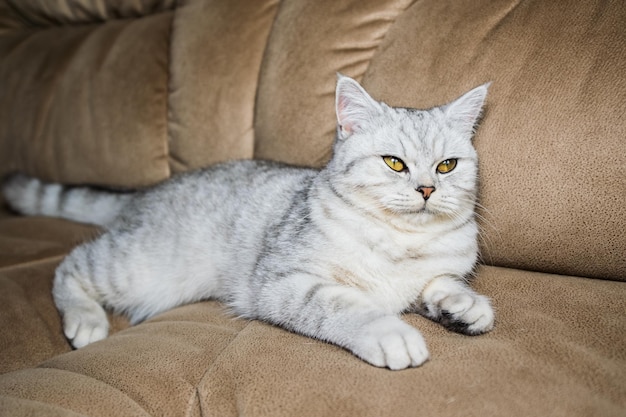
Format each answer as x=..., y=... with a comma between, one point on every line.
x=465, y=110
x=353, y=105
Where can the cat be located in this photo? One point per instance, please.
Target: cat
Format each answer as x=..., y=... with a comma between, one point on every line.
x=338, y=253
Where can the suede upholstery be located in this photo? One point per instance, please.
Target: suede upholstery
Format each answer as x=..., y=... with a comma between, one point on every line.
x=68, y=91
x=127, y=93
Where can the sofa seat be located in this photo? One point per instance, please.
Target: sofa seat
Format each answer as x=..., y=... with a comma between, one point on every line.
x=551, y=353
x=124, y=94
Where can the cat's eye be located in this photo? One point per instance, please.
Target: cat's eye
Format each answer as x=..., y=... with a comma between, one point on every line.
x=394, y=163
x=446, y=166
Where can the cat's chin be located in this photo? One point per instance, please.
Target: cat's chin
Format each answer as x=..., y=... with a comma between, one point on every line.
x=424, y=210
x=430, y=209
x=426, y=215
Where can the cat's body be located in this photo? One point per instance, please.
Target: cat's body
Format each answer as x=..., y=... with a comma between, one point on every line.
x=336, y=253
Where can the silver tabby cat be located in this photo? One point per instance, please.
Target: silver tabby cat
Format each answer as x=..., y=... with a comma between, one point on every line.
x=388, y=226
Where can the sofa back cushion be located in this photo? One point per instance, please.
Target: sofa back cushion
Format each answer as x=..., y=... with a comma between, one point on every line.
x=124, y=94
x=114, y=93
x=552, y=142
x=84, y=98
x=216, y=52
x=310, y=42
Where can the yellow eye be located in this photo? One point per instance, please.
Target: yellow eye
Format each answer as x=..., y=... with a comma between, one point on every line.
x=394, y=163
x=446, y=166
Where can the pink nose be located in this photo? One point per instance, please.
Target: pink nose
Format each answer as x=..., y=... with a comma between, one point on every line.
x=425, y=191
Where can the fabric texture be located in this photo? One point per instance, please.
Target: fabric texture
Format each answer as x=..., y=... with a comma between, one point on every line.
x=554, y=118
x=310, y=42
x=127, y=93
x=41, y=13
x=67, y=94
x=197, y=360
x=217, y=47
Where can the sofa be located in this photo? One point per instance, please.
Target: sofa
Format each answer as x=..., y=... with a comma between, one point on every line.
x=126, y=93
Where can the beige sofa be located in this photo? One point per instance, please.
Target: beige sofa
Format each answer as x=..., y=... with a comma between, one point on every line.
x=125, y=93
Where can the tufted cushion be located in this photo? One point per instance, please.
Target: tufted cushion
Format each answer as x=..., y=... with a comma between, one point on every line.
x=552, y=140
x=216, y=53
x=196, y=360
x=85, y=103
x=309, y=43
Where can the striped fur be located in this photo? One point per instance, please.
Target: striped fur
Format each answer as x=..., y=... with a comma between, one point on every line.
x=336, y=254
x=32, y=197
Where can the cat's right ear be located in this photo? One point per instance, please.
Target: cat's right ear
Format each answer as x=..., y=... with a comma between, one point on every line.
x=465, y=111
x=353, y=105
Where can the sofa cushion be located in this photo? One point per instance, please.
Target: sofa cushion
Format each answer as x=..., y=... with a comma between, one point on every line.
x=216, y=52
x=31, y=240
x=59, y=393
x=30, y=250
x=310, y=41
x=552, y=140
x=40, y=13
x=86, y=103
x=31, y=328
x=549, y=343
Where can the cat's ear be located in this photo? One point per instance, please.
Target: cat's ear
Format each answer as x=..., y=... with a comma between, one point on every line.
x=354, y=107
x=465, y=111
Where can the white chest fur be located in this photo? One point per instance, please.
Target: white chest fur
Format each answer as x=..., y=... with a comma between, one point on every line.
x=394, y=265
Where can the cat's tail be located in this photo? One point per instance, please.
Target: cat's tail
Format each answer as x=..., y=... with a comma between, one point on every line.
x=30, y=196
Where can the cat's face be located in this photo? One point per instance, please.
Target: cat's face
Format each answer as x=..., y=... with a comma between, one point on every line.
x=406, y=162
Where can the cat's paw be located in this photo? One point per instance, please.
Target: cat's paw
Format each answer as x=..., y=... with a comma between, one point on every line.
x=392, y=343
x=85, y=325
x=458, y=307
x=467, y=313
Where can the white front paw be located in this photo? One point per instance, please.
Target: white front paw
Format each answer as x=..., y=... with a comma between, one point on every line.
x=471, y=311
x=84, y=325
x=392, y=343
x=458, y=307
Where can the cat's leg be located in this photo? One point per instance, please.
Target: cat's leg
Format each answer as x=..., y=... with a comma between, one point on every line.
x=127, y=272
x=455, y=305
x=76, y=297
x=111, y=271
x=344, y=316
x=388, y=342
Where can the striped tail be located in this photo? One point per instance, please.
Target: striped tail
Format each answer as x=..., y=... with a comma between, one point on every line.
x=32, y=197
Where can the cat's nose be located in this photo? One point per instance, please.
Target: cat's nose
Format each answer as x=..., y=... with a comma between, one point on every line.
x=425, y=191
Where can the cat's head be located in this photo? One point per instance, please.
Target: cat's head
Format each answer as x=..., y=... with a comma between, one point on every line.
x=418, y=164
